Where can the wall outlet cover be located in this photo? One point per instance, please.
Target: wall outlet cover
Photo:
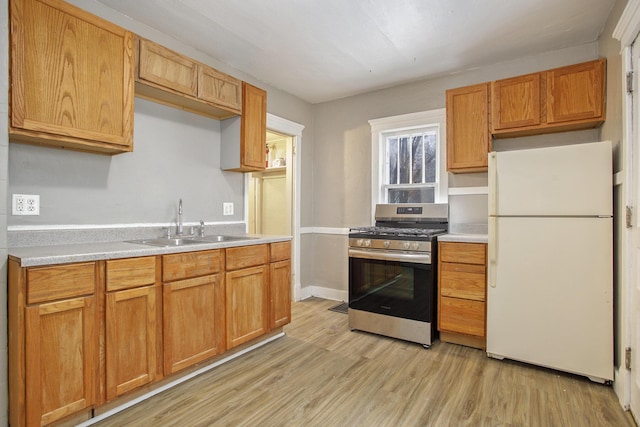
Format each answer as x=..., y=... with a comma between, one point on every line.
x=227, y=208
x=25, y=204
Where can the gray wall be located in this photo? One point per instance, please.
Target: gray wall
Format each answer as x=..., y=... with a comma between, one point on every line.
x=342, y=157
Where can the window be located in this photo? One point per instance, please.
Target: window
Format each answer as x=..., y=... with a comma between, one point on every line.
x=408, y=158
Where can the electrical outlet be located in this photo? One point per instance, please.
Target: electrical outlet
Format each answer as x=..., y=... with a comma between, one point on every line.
x=227, y=208
x=25, y=204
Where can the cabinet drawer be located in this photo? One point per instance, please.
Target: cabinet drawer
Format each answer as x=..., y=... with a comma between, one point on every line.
x=462, y=281
x=247, y=256
x=130, y=273
x=462, y=316
x=62, y=281
x=465, y=253
x=280, y=251
x=191, y=264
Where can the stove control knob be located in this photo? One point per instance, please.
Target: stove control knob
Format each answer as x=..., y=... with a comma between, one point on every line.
x=415, y=246
x=386, y=244
x=406, y=245
x=367, y=243
x=359, y=242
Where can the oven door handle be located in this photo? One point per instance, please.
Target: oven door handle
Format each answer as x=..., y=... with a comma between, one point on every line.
x=423, y=258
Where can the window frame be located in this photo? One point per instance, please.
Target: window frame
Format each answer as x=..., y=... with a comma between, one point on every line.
x=380, y=128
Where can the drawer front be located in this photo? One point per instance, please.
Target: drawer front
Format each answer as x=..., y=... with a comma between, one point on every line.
x=130, y=273
x=463, y=281
x=61, y=281
x=280, y=251
x=462, y=316
x=466, y=253
x=191, y=264
x=247, y=256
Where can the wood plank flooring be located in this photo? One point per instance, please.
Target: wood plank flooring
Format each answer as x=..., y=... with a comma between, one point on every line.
x=323, y=374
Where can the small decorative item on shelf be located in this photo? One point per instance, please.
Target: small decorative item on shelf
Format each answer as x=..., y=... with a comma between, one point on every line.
x=266, y=162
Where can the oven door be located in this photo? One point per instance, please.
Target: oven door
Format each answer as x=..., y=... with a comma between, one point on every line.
x=392, y=284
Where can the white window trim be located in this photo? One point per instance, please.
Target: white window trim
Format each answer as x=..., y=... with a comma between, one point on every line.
x=406, y=122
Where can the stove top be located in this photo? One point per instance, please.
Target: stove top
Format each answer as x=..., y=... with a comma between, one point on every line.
x=385, y=232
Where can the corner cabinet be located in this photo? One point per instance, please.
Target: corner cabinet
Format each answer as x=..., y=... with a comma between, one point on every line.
x=72, y=78
x=462, y=293
x=244, y=138
x=53, y=342
x=468, y=138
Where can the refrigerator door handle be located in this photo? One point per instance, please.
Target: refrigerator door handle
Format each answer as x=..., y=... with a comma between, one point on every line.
x=493, y=250
x=493, y=184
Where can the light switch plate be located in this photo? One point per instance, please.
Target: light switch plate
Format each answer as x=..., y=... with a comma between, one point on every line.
x=227, y=208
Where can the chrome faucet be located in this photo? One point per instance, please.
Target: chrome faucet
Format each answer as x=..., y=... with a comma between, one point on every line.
x=180, y=230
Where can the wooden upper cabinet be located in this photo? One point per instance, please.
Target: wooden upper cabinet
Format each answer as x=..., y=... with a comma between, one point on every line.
x=577, y=93
x=170, y=78
x=468, y=139
x=72, y=78
x=253, y=131
x=164, y=67
x=219, y=88
x=515, y=102
x=562, y=99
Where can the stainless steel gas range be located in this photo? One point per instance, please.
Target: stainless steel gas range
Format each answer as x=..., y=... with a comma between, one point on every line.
x=392, y=272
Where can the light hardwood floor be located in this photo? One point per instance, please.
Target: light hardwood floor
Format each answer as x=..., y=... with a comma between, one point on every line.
x=323, y=374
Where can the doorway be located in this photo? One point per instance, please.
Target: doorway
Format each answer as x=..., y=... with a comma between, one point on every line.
x=271, y=190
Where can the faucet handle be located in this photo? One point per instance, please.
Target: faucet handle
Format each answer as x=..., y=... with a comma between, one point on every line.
x=201, y=228
x=167, y=234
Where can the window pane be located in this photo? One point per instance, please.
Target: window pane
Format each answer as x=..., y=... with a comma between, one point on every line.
x=416, y=153
x=411, y=195
x=404, y=160
x=392, y=150
x=430, y=144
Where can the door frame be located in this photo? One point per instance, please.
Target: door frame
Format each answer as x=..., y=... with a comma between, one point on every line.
x=626, y=31
x=294, y=130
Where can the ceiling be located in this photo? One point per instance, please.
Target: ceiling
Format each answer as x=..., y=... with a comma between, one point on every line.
x=320, y=50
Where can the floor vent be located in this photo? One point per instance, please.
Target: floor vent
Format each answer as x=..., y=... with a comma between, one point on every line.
x=341, y=308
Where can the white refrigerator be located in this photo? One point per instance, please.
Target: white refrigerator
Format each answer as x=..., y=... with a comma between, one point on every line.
x=550, y=260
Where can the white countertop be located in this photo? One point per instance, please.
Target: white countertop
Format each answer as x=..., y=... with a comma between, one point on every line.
x=464, y=238
x=33, y=256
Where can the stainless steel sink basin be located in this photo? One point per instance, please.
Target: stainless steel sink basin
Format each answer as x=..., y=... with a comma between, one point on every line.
x=164, y=241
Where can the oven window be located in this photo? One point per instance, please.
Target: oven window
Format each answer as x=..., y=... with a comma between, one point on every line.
x=390, y=287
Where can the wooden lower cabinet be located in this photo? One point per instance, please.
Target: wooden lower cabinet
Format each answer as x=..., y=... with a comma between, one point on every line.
x=462, y=293
x=247, y=303
x=132, y=331
x=193, y=321
x=53, y=342
x=280, y=284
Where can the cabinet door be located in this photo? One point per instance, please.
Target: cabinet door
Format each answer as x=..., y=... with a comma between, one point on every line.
x=247, y=304
x=468, y=142
x=166, y=68
x=61, y=359
x=576, y=93
x=219, y=88
x=193, y=321
x=515, y=102
x=462, y=316
x=280, y=293
x=130, y=339
x=72, y=78
x=253, y=128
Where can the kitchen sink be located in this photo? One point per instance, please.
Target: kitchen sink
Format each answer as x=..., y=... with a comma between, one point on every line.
x=166, y=241
x=182, y=241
